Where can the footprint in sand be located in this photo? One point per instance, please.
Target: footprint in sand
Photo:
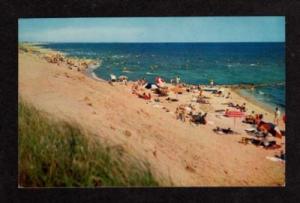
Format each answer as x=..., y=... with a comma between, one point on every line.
x=190, y=167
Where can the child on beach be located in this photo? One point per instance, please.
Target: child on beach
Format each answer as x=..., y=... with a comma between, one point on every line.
x=276, y=116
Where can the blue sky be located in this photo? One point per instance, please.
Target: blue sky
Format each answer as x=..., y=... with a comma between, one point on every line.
x=153, y=29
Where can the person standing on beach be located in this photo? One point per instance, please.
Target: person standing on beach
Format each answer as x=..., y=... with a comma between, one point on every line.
x=276, y=116
x=211, y=83
x=177, y=80
x=200, y=92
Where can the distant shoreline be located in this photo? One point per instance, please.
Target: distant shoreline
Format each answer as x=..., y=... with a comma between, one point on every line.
x=237, y=88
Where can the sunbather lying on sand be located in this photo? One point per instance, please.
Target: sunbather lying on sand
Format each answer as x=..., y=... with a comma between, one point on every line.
x=242, y=108
x=268, y=127
x=254, y=132
x=172, y=99
x=134, y=88
x=162, y=92
x=250, y=119
x=267, y=144
x=144, y=96
x=217, y=92
x=199, y=118
x=223, y=130
x=202, y=101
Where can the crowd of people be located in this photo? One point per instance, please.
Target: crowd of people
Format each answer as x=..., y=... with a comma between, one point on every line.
x=144, y=89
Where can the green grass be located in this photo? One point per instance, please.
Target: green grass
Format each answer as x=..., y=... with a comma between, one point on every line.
x=55, y=153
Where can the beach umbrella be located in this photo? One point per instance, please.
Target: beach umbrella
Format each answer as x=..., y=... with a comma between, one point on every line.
x=234, y=115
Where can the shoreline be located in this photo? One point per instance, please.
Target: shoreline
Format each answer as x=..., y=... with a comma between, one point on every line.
x=149, y=129
x=91, y=67
x=268, y=106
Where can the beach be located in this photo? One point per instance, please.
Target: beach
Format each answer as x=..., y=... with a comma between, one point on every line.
x=179, y=153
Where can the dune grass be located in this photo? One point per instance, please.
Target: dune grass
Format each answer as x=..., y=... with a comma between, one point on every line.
x=53, y=153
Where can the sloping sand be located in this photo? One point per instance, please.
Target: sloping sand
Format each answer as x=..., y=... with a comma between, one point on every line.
x=178, y=152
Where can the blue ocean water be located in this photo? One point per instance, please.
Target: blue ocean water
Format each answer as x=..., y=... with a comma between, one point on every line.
x=194, y=63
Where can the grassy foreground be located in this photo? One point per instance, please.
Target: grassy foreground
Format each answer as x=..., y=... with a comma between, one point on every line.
x=53, y=153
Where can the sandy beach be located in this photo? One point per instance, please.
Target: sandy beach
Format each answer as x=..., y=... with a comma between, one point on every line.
x=179, y=153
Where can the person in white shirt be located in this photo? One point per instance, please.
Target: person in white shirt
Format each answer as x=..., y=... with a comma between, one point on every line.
x=276, y=116
x=177, y=80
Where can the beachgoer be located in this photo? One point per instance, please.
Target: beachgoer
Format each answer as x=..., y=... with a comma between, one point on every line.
x=144, y=81
x=159, y=82
x=276, y=116
x=180, y=113
x=211, y=83
x=147, y=97
x=200, y=93
x=113, y=78
x=228, y=95
x=177, y=80
x=219, y=93
x=243, y=107
x=268, y=128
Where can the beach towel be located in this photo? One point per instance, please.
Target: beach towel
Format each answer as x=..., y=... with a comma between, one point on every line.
x=275, y=159
x=150, y=86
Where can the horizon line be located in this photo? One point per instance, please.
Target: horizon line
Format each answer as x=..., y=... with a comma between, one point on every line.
x=154, y=42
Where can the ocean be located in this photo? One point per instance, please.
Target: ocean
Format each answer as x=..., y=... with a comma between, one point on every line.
x=194, y=63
